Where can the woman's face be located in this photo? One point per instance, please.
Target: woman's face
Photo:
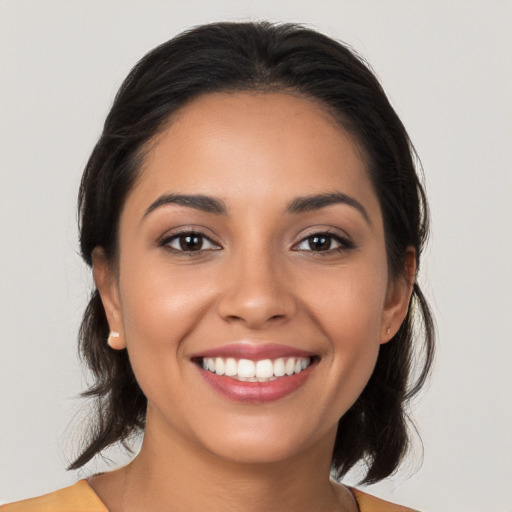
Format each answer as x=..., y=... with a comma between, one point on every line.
x=252, y=244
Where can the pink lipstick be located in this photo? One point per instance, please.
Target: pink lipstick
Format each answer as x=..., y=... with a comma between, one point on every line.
x=252, y=373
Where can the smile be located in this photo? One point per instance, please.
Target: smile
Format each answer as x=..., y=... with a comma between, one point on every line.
x=263, y=370
x=255, y=373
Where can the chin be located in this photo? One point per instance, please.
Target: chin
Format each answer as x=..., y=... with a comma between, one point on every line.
x=267, y=443
x=257, y=452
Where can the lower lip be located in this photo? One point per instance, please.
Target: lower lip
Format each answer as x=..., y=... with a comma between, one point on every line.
x=256, y=392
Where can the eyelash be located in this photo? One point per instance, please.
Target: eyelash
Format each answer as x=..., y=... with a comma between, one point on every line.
x=166, y=242
x=344, y=243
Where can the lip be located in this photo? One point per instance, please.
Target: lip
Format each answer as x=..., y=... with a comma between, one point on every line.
x=254, y=352
x=255, y=392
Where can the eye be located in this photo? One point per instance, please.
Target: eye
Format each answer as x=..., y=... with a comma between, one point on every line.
x=189, y=242
x=324, y=242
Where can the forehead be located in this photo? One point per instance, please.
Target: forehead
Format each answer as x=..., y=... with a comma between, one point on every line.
x=266, y=145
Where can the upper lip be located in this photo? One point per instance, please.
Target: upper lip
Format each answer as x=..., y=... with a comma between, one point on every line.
x=253, y=351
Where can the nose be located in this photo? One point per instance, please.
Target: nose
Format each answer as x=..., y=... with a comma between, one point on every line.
x=255, y=292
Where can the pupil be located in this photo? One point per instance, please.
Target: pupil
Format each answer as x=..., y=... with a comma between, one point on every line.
x=191, y=242
x=320, y=243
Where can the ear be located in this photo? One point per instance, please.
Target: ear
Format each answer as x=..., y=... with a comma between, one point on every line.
x=398, y=297
x=106, y=282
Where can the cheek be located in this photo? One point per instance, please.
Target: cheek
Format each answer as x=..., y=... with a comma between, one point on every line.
x=160, y=308
x=159, y=302
x=349, y=304
x=350, y=310
x=354, y=336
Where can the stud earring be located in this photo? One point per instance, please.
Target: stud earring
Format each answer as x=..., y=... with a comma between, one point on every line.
x=113, y=339
x=388, y=332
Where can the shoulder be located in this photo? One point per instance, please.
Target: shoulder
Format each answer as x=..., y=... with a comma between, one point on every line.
x=77, y=498
x=368, y=503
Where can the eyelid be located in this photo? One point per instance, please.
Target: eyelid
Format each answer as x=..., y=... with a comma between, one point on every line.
x=343, y=240
x=165, y=240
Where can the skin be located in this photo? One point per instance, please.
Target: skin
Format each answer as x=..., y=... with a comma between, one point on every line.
x=256, y=278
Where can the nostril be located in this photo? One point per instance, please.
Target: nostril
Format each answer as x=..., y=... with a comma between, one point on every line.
x=255, y=306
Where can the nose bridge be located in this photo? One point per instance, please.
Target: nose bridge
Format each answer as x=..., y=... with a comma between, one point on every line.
x=255, y=290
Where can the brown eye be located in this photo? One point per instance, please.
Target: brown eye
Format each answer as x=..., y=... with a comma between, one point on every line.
x=319, y=242
x=324, y=242
x=189, y=242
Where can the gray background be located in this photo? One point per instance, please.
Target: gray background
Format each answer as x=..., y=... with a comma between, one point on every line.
x=447, y=67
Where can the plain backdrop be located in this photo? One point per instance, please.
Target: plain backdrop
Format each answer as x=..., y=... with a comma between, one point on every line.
x=447, y=68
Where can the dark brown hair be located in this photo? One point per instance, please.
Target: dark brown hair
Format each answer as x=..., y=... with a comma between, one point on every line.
x=270, y=57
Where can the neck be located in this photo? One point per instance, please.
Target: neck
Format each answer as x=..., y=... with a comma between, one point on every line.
x=174, y=474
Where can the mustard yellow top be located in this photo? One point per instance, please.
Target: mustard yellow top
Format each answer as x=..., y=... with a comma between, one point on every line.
x=81, y=498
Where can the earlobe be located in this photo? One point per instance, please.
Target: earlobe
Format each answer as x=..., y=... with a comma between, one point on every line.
x=115, y=341
x=398, y=297
x=105, y=279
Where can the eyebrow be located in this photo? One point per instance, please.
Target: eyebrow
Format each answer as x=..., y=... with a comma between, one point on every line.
x=216, y=206
x=199, y=202
x=316, y=202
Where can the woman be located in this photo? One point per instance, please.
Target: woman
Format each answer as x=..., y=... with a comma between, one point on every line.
x=254, y=222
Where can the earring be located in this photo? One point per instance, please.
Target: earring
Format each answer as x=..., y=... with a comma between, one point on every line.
x=388, y=332
x=113, y=340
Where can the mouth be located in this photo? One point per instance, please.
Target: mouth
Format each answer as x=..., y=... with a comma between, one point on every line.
x=255, y=374
x=262, y=370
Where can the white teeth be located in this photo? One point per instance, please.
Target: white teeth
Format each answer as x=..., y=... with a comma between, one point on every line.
x=279, y=367
x=231, y=367
x=246, y=368
x=289, y=366
x=263, y=370
x=219, y=366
